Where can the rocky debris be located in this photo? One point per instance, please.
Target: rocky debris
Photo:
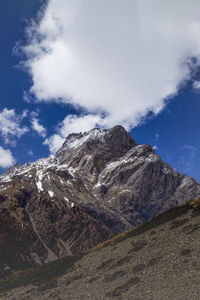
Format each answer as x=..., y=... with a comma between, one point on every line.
x=98, y=184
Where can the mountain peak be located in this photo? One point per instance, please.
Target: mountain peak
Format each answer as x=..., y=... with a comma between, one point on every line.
x=116, y=133
x=77, y=139
x=102, y=143
x=98, y=184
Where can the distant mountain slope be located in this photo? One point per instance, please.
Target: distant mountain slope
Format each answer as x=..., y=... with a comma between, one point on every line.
x=157, y=260
x=98, y=184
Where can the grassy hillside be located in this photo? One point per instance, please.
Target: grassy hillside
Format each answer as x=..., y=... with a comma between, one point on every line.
x=158, y=260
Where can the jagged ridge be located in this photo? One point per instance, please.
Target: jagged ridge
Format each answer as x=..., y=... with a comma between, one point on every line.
x=98, y=184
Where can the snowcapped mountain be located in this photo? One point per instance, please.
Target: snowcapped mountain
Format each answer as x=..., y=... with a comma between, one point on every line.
x=98, y=184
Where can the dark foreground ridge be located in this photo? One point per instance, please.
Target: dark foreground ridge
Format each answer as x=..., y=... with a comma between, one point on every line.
x=157, y=260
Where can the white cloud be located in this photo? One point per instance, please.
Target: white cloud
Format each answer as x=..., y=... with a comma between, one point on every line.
x=196, y=85
x=37, y=126
x=119, y=58
x=6, y=158
x=10, y=125
x=70, y=124
x=54, y=142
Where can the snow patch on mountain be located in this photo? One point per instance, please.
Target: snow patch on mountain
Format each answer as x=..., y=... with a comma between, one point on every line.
x=51, y=194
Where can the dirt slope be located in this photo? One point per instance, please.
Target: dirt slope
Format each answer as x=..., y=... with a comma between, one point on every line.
x=158, y=260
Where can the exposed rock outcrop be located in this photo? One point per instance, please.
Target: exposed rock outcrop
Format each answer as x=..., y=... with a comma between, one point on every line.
x=98, y=184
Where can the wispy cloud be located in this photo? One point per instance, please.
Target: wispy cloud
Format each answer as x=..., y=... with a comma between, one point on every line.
x=30, y=152
x=155, y=147
x=196, y=85
x=187, y=157
x=156, y=136
x=10, y=125
x=36, y=126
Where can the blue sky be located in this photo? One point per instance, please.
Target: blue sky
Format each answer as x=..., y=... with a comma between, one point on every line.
x=60, y=102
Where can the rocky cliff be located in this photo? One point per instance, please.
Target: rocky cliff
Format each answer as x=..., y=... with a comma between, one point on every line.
x=98, y=184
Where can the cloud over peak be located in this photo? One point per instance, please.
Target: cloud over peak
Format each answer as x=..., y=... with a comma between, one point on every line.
x=71, y=123
x=115, y=59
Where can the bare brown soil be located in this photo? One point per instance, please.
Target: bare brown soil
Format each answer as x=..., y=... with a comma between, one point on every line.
x=158, y=260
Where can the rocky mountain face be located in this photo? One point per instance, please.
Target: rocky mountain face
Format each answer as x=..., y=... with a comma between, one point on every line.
x=98, y=184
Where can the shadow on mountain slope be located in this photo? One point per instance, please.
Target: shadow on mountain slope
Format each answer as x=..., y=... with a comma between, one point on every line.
x=157, y=260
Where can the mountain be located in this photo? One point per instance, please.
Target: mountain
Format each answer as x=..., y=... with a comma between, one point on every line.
x=98, y=184
x=156, y=260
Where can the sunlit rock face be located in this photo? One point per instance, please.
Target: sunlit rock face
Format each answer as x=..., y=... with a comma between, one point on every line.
x=98, y=184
